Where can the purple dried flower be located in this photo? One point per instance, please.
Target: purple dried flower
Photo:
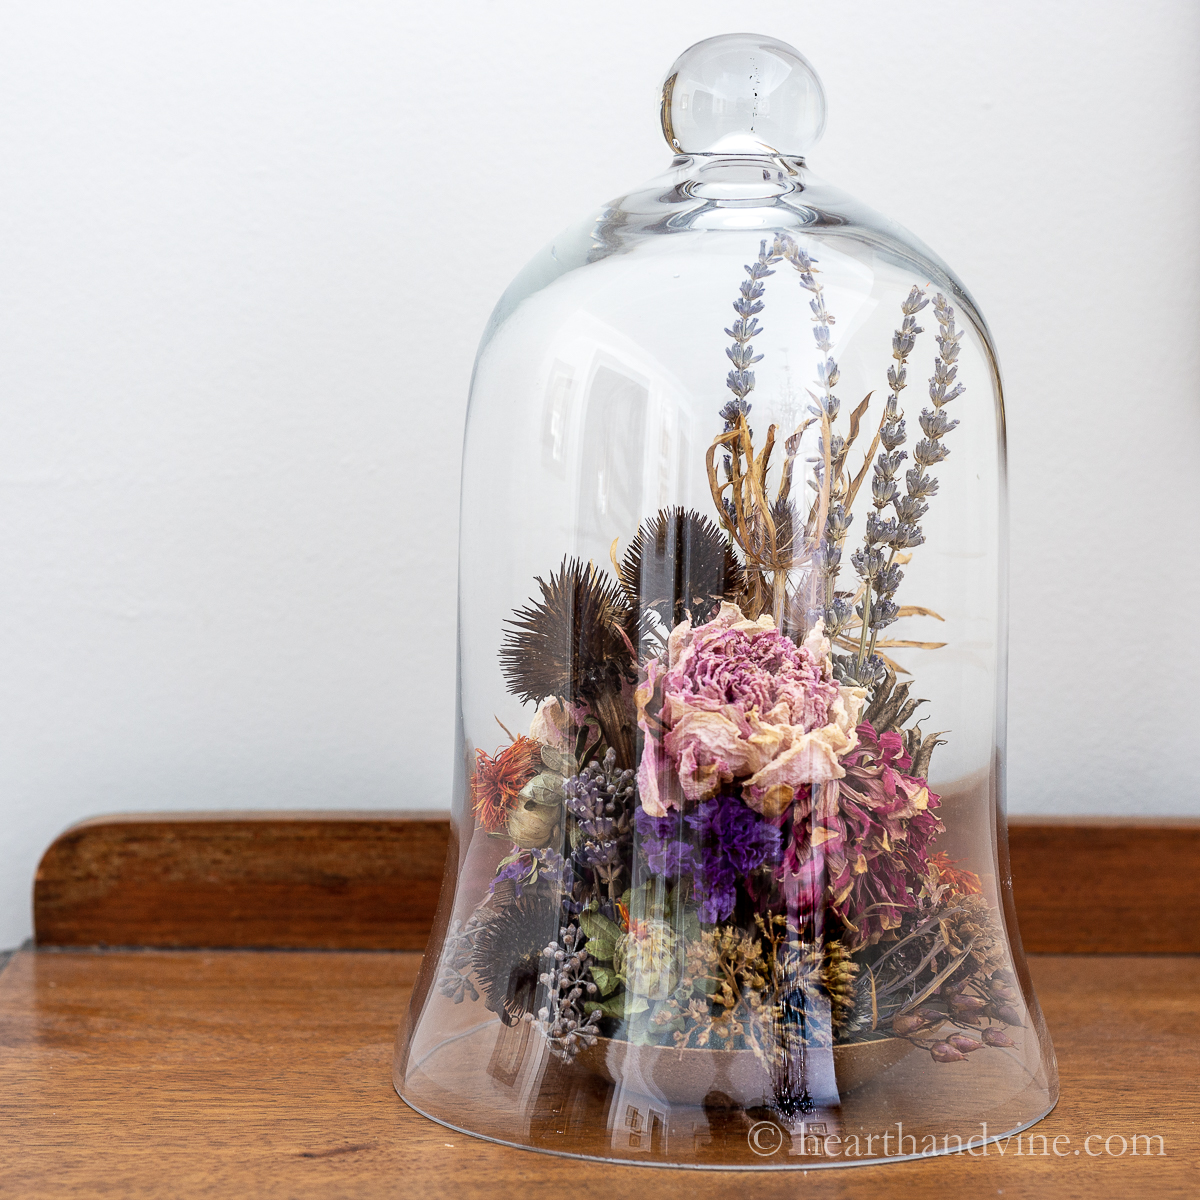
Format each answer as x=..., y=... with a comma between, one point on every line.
x=734, y=841
x=531, y=867
x=670, y=859
x=717, y=898
x=734, y=835
x=730, y=840
x=655, y=828
x=665, y=854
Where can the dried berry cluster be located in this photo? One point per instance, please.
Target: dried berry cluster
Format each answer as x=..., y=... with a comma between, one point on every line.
x=566, y=981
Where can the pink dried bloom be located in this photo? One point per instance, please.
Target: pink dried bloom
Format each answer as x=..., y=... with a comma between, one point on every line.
x=1009, y=1014
x=967, y=1005
x=862, y=844
x=906, y=1024
x=556, y=723
x=740, y=701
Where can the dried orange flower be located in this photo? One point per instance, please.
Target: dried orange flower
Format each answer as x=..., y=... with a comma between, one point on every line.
x=498, y=781
x=965, y=883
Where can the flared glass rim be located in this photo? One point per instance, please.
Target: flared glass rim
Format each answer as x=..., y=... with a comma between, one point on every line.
x=805, y=1165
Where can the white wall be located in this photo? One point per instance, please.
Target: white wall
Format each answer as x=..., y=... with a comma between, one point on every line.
x=246, y=251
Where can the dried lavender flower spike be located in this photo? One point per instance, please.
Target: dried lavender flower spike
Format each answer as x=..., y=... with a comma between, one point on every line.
x=877, y=609
x=748, y=305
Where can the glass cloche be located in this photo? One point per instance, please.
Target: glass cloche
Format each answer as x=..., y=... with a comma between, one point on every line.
x=729, y=883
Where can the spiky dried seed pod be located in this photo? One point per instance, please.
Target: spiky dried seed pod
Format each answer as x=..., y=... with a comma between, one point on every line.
x=569, y=644
x=507, y=954
x=454, y=978
x=975, y=924
x=572, y=644
x=680, y=565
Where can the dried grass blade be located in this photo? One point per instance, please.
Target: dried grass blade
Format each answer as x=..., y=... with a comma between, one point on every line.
x=858, y=479
x=792, y=446
x=915, y=610
x=855, y=418
x=940, y=978
x=758, y=490
x=891, y=662
x=612, y=554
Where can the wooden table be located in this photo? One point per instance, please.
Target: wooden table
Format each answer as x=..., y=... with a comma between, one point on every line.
x=265, y=1073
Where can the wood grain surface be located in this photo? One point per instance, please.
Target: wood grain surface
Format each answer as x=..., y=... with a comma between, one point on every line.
x=227, y=1073
x=1106, y=885
x=370, y=881
x=292, y=880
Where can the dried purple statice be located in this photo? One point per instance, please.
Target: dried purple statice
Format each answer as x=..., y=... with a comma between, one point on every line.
x=725, y=842
x=568, y=988
x=659, y=843
x=732, y=842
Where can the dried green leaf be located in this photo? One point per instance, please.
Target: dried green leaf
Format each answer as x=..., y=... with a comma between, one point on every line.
x=605, y=978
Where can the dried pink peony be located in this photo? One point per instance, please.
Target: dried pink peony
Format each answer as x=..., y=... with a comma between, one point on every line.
x=740, y=701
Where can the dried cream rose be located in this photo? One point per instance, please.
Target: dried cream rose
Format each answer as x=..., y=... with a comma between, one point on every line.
x=738, y=701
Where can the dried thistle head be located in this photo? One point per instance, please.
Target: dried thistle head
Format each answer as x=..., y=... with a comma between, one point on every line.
x=507, y=955
x=571, y=643
x=678, y=565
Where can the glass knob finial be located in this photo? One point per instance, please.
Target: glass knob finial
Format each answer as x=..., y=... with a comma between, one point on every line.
x=742, y=93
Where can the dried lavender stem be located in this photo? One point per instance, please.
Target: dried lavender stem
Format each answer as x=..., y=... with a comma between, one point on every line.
x=866, y=624
x=880, y=579
x=875, y=632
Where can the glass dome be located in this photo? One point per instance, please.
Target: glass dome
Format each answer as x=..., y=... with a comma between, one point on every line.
x=729, y=880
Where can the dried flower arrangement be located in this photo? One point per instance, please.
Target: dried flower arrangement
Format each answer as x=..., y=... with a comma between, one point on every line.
x=722, y=832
